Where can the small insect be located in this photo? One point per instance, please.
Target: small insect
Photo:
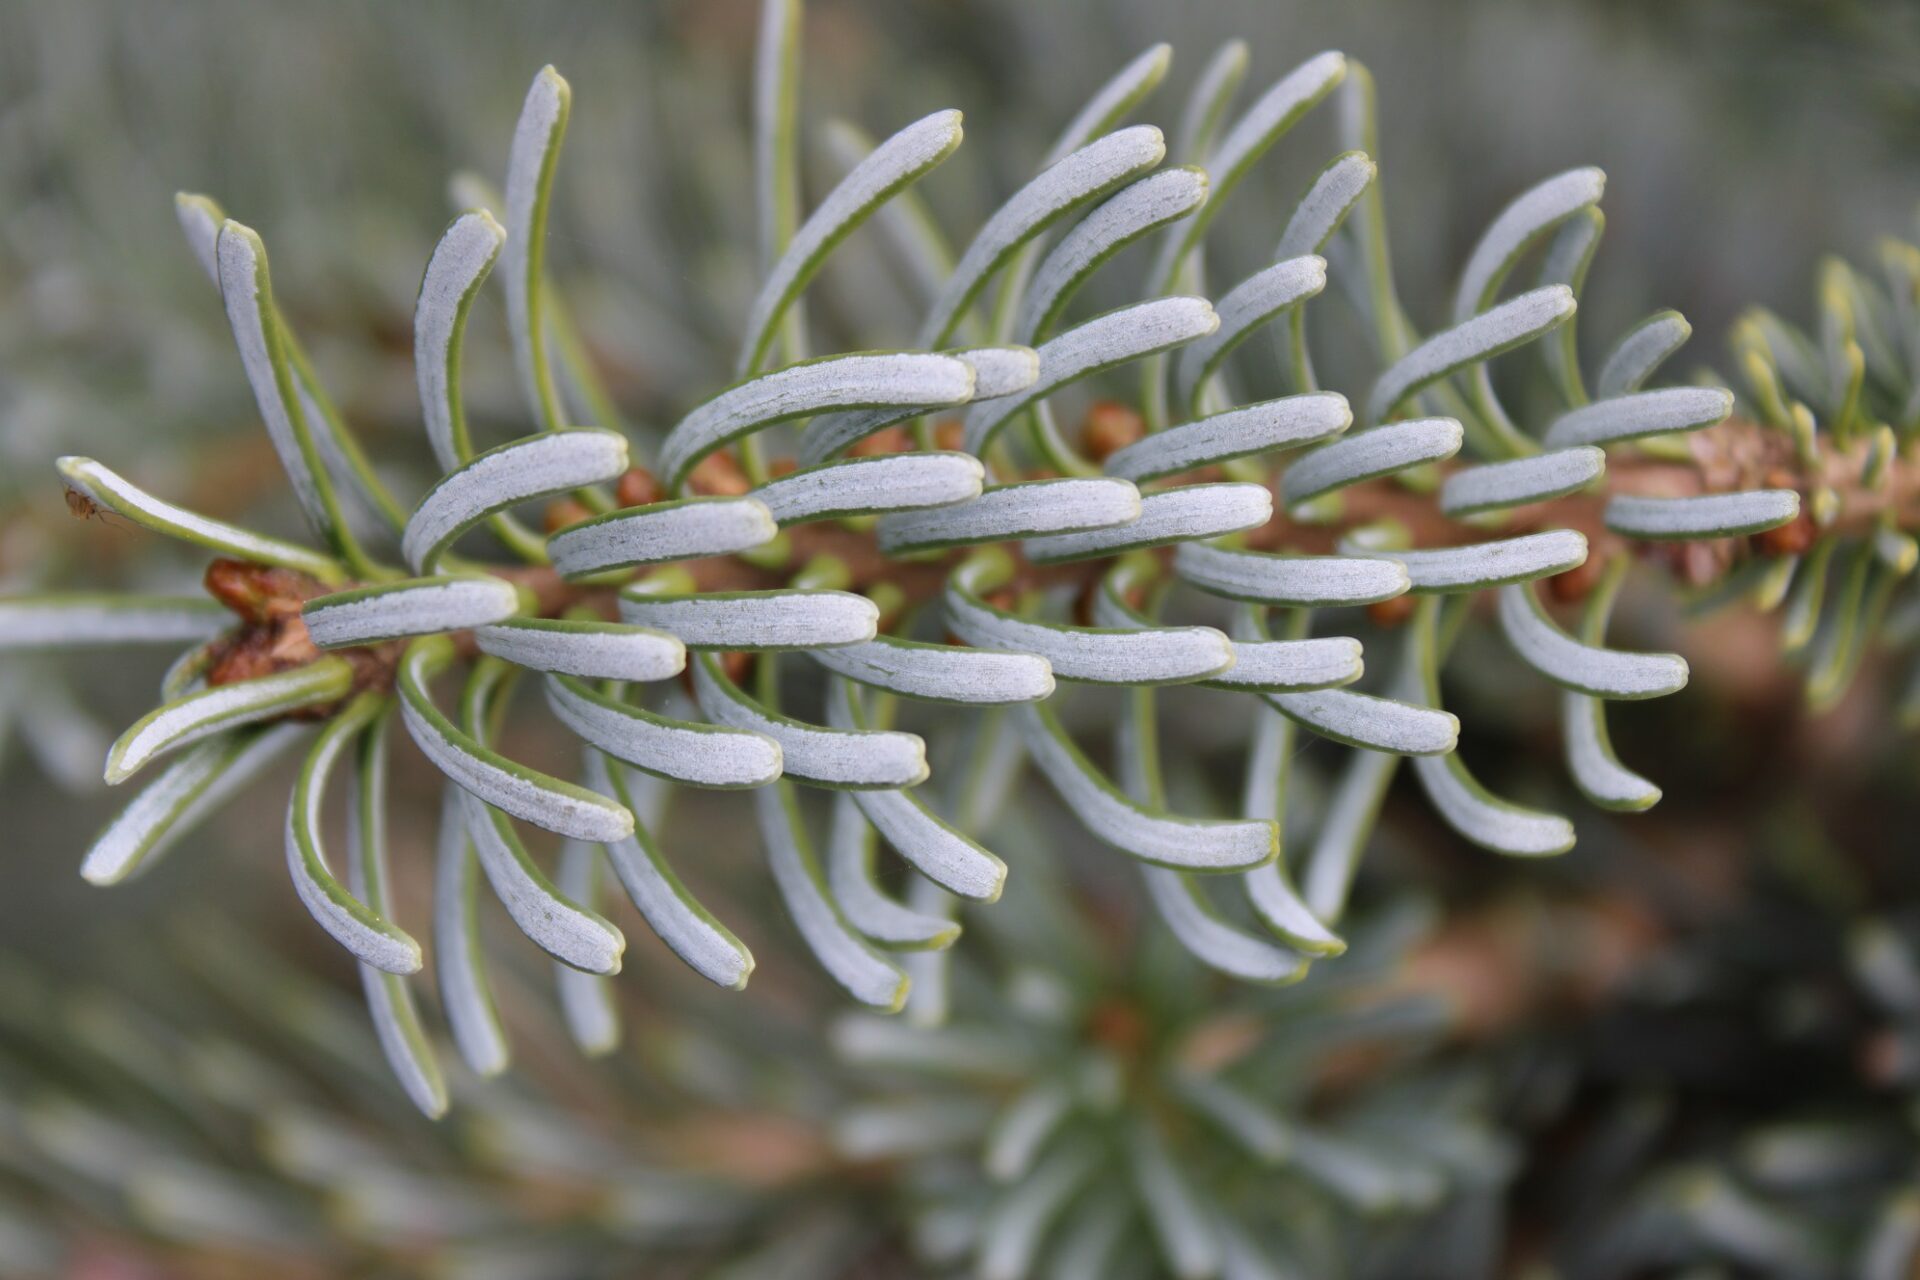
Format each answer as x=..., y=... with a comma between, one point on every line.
x=82, y=507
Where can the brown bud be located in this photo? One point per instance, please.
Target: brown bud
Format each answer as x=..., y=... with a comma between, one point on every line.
x=783, y=466
x=752, y=1149
x=1108, y=428
x=262, y=650
x=1884, y=1060
x=1392, y=612
x=1577, y=583
x=718, y=475
x=949, y=434
x=1220, y=1041
x=563, y=512
x=259, y=593
x=885, y=440
x=244, y=657
x=637, y=488
x=1790, y=539
x=1613, y=934
x=735, y=664
x=1083, y=605
x=291, y=644
x=1471, y=965
x=1345, y=1067
x=1119, y=1026
x=1699, y=563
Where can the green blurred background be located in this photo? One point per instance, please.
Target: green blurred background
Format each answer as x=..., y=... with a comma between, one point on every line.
x=1741, y=140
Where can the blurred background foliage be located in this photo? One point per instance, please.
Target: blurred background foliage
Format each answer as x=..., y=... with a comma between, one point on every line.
x=1688, y=1020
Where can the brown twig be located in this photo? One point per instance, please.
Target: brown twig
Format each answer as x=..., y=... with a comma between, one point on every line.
x=1733, y=456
